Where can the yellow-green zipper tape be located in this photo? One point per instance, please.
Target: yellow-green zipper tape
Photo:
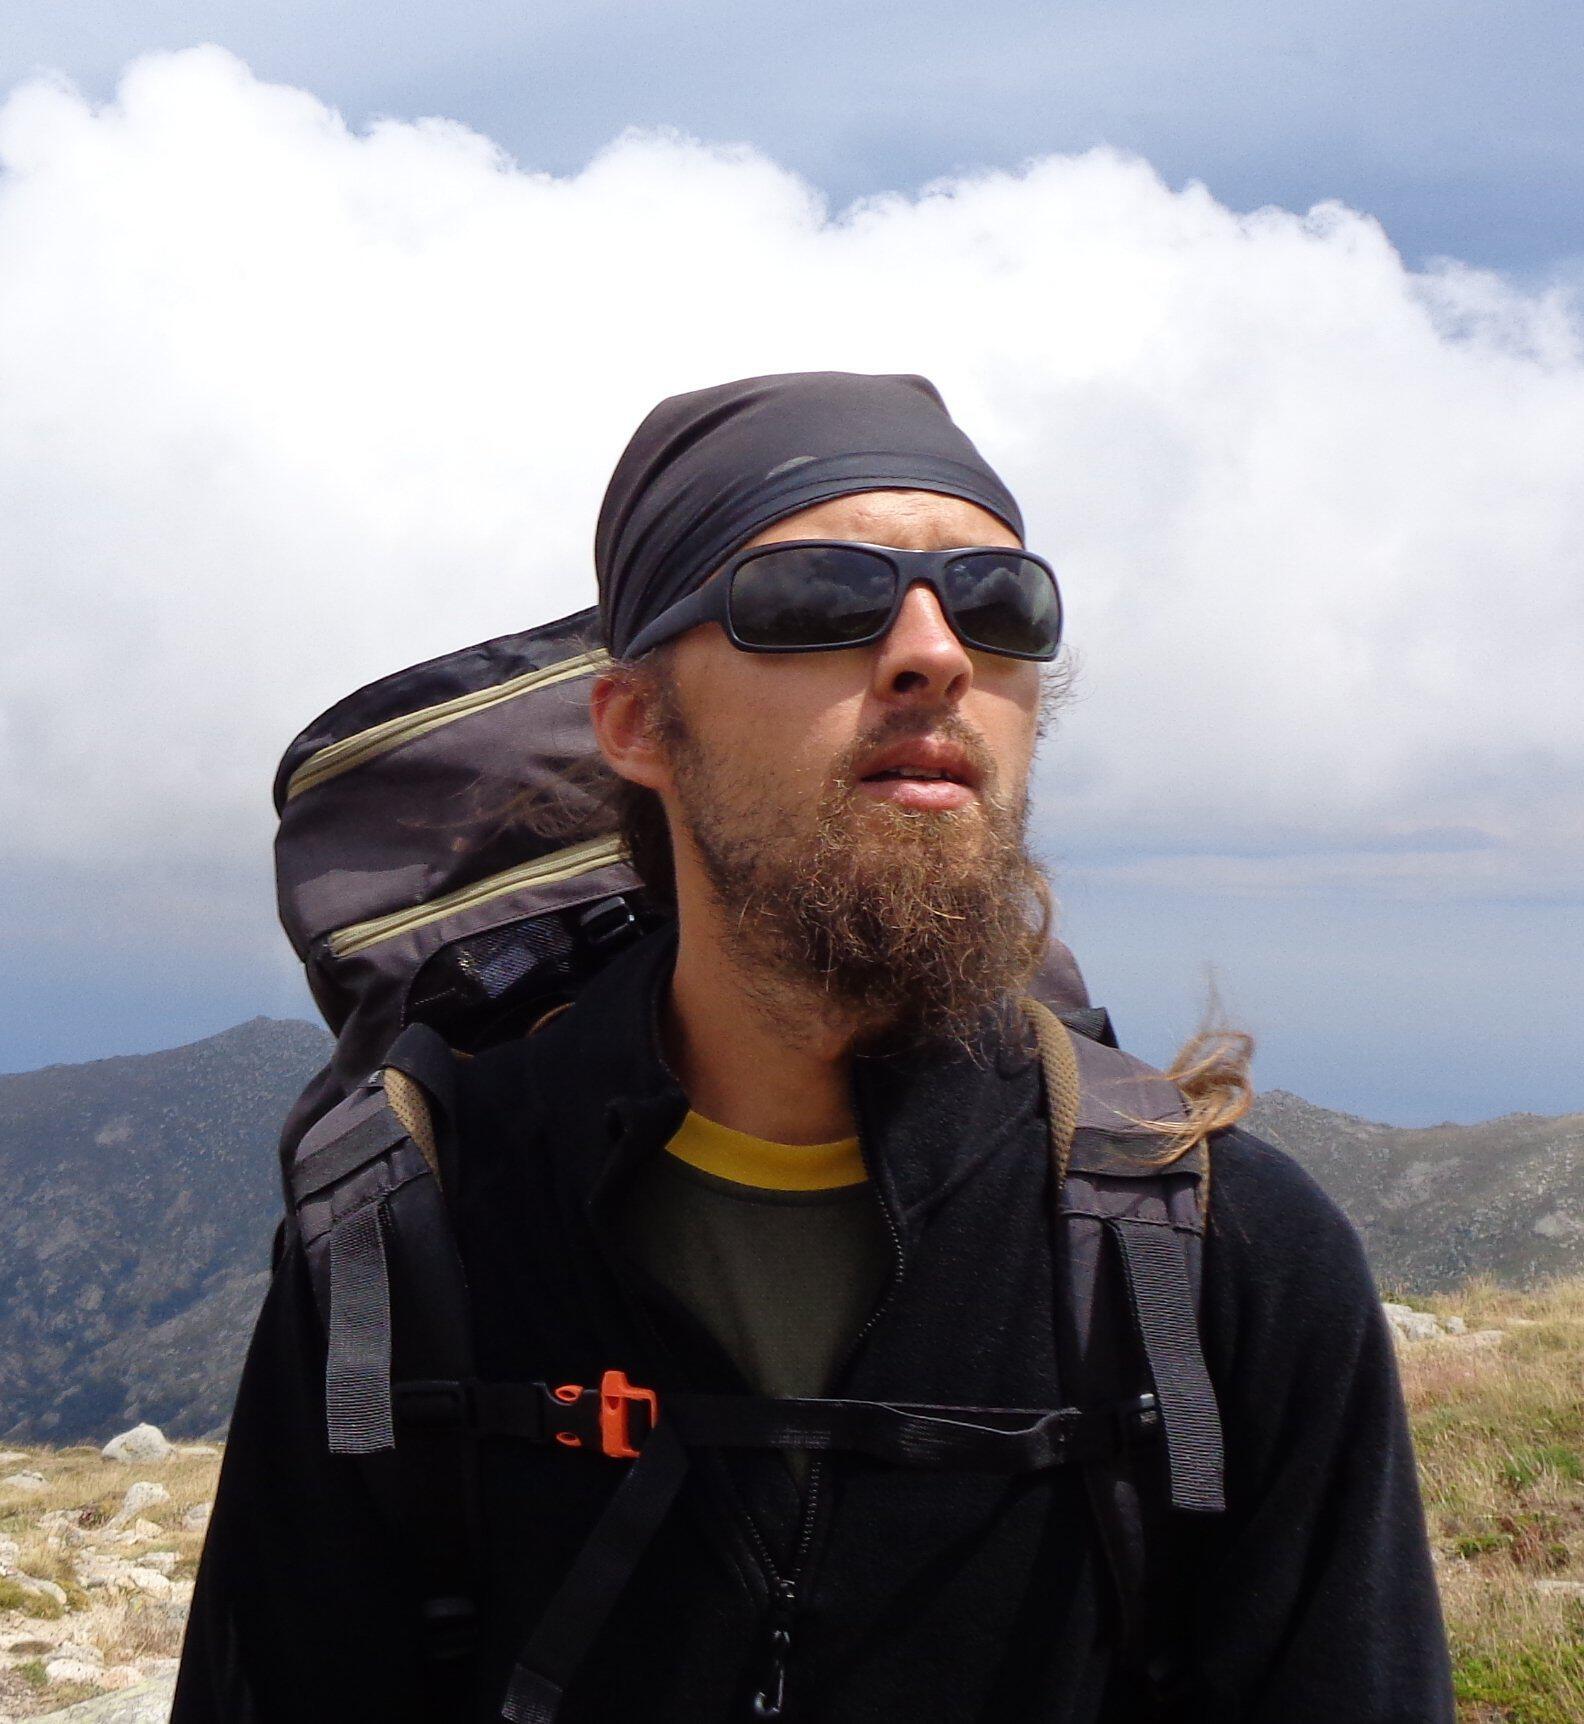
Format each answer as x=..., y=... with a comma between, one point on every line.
x=543, y=871
x=338, y=757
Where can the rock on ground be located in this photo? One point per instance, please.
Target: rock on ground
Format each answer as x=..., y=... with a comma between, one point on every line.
x=141, y=1443
x=144, y=1494
x=148, y=1703
x=1408, y=1324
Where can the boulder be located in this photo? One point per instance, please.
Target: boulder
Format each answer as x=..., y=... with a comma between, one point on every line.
x=141, y=1443
x=25, y=1481
x=145, y=1703
x=118, y=1676
x=197, y=1517
x=1408, y=1324
x=80, y=1650
x=144, y=1494
x=1411, y=1325
x=70, y=1670
x=46, y=1588
x=148, y=1580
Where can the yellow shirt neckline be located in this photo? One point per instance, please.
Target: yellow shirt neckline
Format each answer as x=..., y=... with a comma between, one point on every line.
x=746, y=1160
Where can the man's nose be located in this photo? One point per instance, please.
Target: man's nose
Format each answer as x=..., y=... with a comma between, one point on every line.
x=920, y=658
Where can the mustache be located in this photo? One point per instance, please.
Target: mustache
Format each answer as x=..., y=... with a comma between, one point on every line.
x=910, y=727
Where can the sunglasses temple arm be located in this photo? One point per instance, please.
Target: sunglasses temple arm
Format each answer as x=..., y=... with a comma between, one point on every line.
x=704, y=605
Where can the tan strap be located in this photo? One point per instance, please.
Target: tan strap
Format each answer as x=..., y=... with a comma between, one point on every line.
x=411, y=1107
x=1059, y=1068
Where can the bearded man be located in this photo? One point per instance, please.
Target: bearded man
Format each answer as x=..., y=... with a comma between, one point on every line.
x=793, y=1144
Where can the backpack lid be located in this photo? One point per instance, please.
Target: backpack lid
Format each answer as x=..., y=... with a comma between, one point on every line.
x=456, y=799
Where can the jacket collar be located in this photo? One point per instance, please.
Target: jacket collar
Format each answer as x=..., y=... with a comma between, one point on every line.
x=926, y=1118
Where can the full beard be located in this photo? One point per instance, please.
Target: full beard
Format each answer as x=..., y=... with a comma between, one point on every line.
x=908, y=925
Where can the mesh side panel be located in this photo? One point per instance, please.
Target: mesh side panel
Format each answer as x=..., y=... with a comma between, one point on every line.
x=477, y=989
x=498, y=960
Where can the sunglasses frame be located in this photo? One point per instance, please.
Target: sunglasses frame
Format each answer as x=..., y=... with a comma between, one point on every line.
x=711, y=603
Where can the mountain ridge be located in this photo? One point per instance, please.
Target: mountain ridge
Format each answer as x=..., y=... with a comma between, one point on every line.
x=144, y=1192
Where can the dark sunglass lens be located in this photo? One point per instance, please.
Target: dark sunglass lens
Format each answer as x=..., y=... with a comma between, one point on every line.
x=810, y=596
x=1005, y=603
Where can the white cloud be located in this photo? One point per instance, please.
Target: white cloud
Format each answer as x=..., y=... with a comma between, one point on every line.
x=285, y=407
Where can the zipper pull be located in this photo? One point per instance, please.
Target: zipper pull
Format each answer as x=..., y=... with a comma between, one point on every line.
x=770, y=1701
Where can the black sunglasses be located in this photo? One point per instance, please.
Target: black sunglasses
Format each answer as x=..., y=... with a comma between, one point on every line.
x=818, y=595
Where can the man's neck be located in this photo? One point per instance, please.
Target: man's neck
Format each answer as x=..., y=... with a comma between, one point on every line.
x=745, y=1052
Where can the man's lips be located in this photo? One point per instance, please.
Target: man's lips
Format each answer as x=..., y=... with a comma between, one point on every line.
x=920, y=773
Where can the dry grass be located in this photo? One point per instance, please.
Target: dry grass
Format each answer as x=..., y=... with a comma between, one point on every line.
x=1499, y=1433
x=128, y=1628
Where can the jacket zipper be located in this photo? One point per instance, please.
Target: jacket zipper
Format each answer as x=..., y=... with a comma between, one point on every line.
x=769, y=1701
x=785, y=1592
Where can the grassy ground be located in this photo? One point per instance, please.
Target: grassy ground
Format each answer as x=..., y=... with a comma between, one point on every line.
x=1499, y=1433
x=134, y=1629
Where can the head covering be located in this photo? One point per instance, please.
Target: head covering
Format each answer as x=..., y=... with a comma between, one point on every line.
x=708, y=470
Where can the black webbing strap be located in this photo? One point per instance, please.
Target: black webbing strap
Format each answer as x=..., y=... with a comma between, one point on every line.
x=358, y=1348
x=908, y=1434
x=1163, y=1308
x=983, y=1439
x=905, y=1434
x=352, y=1149
x=584, y=1600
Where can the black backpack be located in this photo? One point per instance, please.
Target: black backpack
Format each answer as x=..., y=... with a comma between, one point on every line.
x=449, y=875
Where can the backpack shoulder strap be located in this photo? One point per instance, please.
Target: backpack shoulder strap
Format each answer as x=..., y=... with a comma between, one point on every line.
x=1129, y=1320
x=368, y=1203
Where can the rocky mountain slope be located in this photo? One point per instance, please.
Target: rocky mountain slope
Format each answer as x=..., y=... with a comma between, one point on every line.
x=141, y=1195
x=1438, y=1204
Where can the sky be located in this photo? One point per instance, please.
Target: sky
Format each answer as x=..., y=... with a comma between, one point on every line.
x=317, y=346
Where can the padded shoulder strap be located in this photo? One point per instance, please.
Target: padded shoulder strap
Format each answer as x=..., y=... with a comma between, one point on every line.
x=1129, y=1324
x=420, y=1083
x=389, y=1284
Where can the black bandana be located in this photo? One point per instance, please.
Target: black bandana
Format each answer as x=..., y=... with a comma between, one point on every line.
x=708, y=470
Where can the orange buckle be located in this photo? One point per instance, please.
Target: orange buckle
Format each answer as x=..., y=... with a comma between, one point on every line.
x=616, y=1396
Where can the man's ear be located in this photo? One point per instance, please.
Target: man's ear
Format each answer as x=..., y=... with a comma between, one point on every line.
x=621, y=707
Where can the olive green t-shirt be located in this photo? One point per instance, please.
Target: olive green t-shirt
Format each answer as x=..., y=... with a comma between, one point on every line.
x=780, y=1250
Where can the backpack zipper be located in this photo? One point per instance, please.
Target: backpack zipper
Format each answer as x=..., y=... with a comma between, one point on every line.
x=542, y=871
x=338, y=757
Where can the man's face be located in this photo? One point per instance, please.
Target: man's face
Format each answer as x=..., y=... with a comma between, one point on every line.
x=791, y=721
x=859, y=814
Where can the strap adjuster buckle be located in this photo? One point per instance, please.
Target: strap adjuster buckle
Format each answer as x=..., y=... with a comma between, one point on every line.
x=617, y=1397
x=614, y=1401
x=1138, y=1418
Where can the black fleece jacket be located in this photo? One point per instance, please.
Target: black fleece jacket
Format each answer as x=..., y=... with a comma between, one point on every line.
x=945, y=1596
